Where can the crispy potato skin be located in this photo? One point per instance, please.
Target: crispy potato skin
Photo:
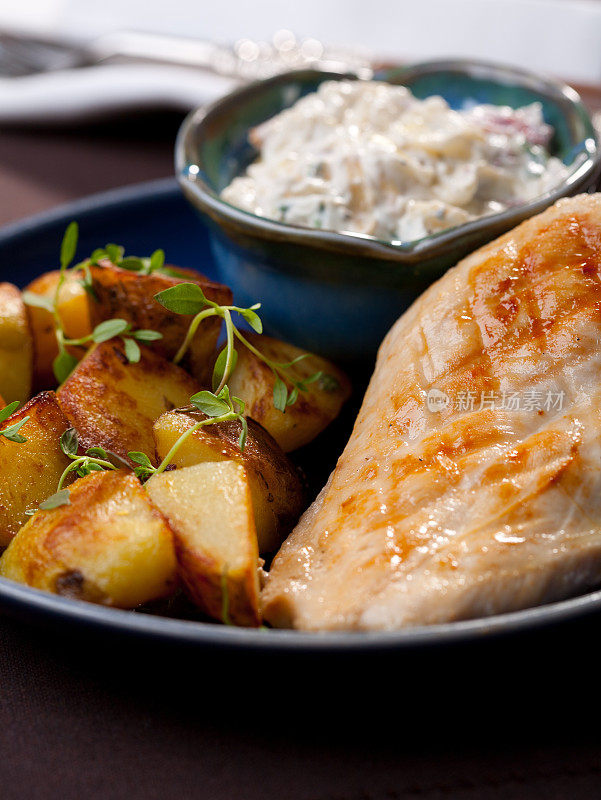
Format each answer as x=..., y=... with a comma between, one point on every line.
x=73, y=309
x=253, y=382
x=109, y=546
x=30, y=471
x=16, y=346
x=275, y=485
x=114, y=404
x=130, y=296
x=209, y=510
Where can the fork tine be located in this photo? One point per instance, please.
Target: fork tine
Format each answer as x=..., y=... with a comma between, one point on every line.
x=12, y=63
x=20, y=57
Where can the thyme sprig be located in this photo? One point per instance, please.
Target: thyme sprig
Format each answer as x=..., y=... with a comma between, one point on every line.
x=95, y=459
x=112, y=328
x=12, y=432
x=144, y=265
x=188, y=299
x=217, y=408
x=64, y=363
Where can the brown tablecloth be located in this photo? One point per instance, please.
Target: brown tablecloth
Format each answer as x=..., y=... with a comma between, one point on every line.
x=84, y=718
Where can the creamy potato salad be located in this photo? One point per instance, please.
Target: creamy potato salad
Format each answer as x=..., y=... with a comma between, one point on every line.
x=368, y=157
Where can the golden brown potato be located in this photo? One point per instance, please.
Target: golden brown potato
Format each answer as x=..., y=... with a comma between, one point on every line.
x=29, y=472
x=16, y=346
x=129, y=295
x=253, y=381
x=209, y=510
x=75, y=316
x=276, y=489
x=110, y=545
x=114, y=404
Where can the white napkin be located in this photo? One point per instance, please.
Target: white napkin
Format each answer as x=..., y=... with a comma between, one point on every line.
x=560, y=37
x=76, y=94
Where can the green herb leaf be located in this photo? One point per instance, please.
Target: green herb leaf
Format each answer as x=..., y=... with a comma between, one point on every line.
x=174, y=273
x=8, y=410
x=210, y=404
x=91, y=463
x=115, y=253
x=240, y=403
x=99, y=254
x=144, y=335
x=86, y=281
x=57, y=499
x=219, y=368
x=132, y=351
x=224, y=394
x=38, y=301
x=185, y=298
x=243, y=434
x=97, y=452
x=328, y=383
x=117, y=461
x=280, y=395
x=109, y=329
x=69, y=245
x=12, y=432
x=292, y=397
x=294, y=361
x=83, y=468
x=253, y=319
x=63, y=365
x=157, y=261
x=145, y=468
x=139, y=458
x=69, y=442
x=134, y=264
x=302, y=385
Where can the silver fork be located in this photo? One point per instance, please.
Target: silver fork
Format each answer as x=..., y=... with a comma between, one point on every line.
x=24, y=54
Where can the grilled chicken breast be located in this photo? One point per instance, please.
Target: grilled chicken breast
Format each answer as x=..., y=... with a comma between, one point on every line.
x=471, y=484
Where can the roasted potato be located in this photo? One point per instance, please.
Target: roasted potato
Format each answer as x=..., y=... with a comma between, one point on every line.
x=130, y=296
x=114, y=404
x=209, y=510
x=16, y=346
x=275, y=486
x=30, y=471
x=253, y=381
x=110, y=545
x=75, y=316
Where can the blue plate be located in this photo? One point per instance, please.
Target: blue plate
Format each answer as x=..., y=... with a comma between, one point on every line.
x=143, y=218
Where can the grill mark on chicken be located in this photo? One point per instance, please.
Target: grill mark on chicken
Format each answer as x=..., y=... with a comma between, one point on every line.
x=433, y=516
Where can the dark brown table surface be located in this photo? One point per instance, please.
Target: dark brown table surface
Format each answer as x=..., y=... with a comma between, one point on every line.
x=85, y=718
x=42, y=168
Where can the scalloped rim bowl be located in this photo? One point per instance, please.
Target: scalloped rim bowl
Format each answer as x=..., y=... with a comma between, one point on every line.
x=204, y=194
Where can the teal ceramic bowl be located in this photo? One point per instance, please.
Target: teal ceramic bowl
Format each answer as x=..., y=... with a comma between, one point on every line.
x=338, y=293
